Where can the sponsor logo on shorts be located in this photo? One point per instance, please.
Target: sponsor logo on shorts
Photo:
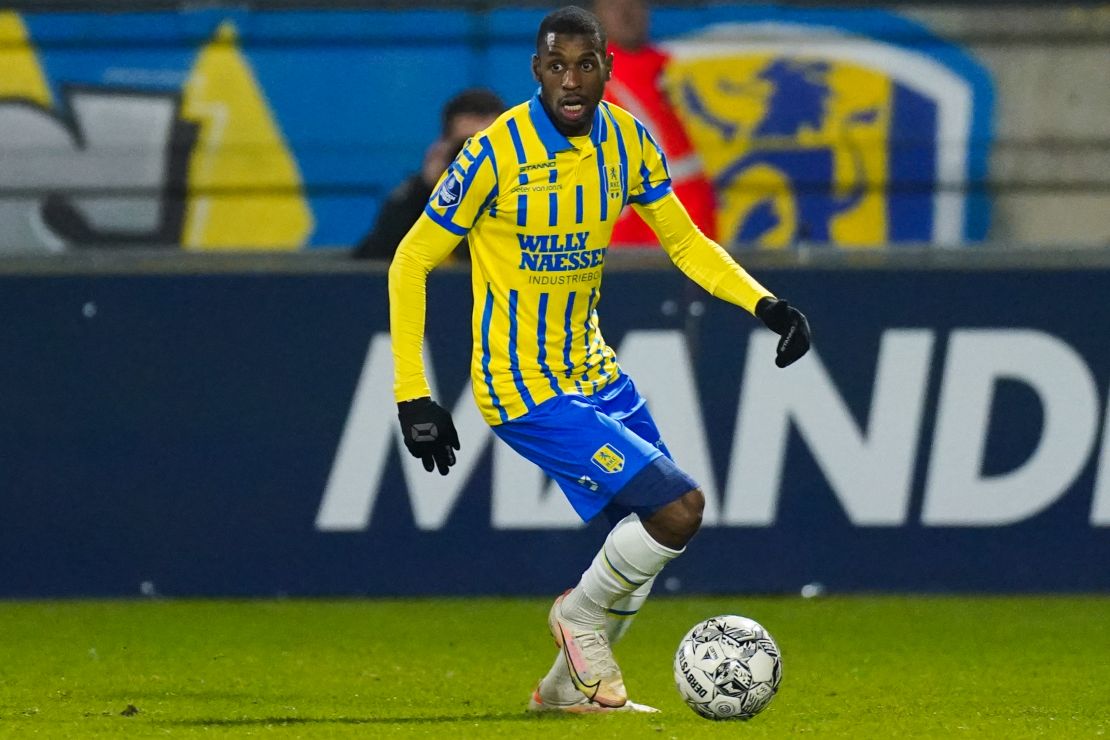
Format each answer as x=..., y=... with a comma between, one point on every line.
x=609, y=459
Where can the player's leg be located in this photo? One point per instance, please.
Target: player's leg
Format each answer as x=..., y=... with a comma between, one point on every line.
x=557, y=686
x=672, y=524
x=598, y=460
x=621, y=614
x=583, y=618
x=626, y=405
x=667, y=509
x=676, y=523
x=556, y=691
x=628, y=559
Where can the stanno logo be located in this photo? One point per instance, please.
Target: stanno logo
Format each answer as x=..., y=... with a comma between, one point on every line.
x=549, y=164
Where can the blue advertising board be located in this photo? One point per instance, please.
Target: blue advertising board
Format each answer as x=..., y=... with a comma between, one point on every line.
x=235, y=434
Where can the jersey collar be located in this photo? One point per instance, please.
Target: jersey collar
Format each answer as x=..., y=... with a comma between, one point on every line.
x=550, y=136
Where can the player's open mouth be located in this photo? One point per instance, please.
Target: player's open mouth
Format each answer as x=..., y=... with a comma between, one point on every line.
x=573, y=111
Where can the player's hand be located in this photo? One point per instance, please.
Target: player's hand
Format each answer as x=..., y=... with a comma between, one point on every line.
x=429, y=433
x=791, y=326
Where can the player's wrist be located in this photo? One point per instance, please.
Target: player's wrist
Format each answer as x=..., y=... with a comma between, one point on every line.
x=763, y=305
x=414, y=404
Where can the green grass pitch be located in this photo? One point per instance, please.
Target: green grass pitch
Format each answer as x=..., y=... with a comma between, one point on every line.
x=854, y=667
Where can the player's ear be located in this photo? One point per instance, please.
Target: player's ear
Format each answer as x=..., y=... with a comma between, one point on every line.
x=536, y=67
x=609, y=67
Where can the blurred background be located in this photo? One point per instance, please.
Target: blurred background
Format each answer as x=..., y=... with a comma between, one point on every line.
x=195, y=207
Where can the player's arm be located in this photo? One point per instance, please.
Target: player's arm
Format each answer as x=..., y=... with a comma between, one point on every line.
x=455, y=204
x=711, y=267
x=702, y=259
x=424, y=246
x=427, y=427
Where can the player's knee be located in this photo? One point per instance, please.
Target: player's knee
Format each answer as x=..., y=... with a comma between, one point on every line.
x=668, y=501
x=690, y=513
x=677, y=522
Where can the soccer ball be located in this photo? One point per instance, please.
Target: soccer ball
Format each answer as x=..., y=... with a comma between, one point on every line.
x=727, y=667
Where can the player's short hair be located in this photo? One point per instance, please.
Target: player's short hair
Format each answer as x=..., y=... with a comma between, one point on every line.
x=476, y=100
x=574, y=21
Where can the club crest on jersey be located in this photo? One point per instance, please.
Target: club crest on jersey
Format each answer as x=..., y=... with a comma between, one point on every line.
x=613, y=180
x=608, y=458
x=450, y=191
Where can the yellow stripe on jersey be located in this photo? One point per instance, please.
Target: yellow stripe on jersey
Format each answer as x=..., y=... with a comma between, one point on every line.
x=539, y=210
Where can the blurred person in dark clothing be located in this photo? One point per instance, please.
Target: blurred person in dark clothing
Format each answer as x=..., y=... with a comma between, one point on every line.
x=464, y=115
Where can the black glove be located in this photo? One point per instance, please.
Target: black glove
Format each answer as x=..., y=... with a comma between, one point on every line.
x=429, y=433
x=789, y=323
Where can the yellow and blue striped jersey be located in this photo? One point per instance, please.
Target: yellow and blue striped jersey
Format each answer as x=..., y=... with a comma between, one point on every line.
x=539, y=210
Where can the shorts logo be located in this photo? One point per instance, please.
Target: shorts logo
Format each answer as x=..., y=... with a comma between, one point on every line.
x=450, y=191
x=609, y=459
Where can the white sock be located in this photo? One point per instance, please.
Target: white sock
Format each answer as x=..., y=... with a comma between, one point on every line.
x=621, y=614
x=626, y=562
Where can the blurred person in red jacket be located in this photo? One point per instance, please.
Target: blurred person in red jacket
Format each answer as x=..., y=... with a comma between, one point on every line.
x=636, y=86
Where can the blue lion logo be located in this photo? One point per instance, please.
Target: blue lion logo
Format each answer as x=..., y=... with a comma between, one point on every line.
x=798, y=101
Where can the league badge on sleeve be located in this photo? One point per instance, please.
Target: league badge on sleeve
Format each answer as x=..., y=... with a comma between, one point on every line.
x=450, y=191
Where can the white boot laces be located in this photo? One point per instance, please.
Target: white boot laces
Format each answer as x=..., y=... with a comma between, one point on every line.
x=596, y=650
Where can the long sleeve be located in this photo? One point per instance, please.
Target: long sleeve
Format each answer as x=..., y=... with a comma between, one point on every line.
x=456, y=202
x=425, y=246
x=698, y=256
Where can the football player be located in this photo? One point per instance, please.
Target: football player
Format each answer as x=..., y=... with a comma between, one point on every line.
x=538, y=193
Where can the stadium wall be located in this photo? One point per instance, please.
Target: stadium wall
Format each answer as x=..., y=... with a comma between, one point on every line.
x=283, y=126
x=231, y=432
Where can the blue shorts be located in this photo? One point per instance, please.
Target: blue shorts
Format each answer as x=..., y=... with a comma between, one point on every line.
x=603, y=450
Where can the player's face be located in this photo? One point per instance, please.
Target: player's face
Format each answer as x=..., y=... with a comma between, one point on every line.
x=572, y=71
